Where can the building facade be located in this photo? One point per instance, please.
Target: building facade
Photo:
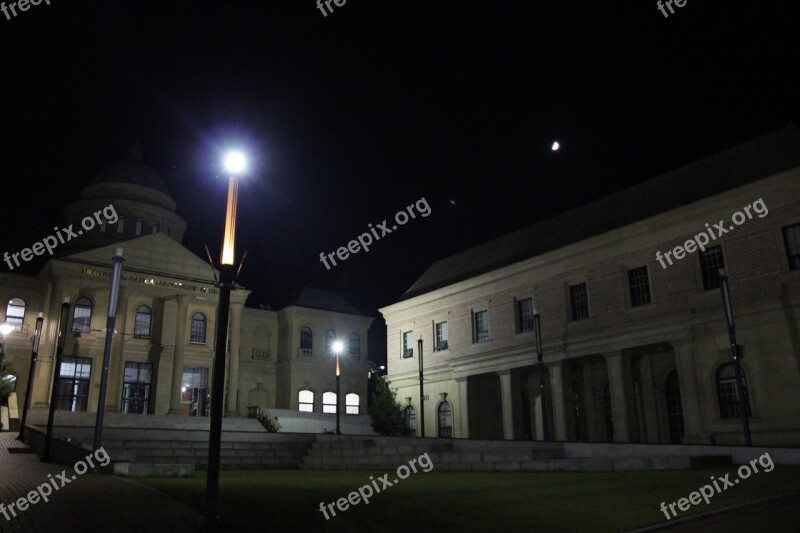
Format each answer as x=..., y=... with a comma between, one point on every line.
x=162, y=354
x=635, y=341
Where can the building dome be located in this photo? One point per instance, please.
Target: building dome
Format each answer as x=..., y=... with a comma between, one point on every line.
x=132, y=170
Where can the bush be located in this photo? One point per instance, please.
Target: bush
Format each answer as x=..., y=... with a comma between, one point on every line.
x=385, y=412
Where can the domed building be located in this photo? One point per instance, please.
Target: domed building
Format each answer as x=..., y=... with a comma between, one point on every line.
x=162, y=354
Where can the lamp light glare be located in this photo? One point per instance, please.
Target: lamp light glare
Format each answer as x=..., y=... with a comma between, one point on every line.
x=338, y=347
x=235, y=162
x=5, y=329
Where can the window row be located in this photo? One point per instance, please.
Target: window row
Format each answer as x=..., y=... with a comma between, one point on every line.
x=138, y=227
x=444, y=420
x=305, y=400
x=307, y=341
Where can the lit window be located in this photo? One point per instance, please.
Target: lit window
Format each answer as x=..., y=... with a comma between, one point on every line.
x=441, y=336
x=481, y=326
x=198, y=334
x=352, y=402
x=329, y=402
x=15, y=311
x=82, y=315
x=306, y=401
x=141, y=326
x=408, y=344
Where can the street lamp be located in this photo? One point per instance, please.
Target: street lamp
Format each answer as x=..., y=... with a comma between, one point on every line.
x=51, y=412
x=337, y=349
x=235, y=164
x=735, y=355
x=537, y=328
x=37, y=335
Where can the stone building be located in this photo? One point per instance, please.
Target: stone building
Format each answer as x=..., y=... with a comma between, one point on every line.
x=635, y=341
x=163, y=351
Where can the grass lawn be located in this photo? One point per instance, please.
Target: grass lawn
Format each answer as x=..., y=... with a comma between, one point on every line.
x=288, y=500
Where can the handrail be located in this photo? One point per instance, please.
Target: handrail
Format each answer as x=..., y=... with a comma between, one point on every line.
x=269, y=422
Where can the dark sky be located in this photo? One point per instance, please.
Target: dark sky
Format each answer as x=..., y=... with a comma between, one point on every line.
x=351, y=117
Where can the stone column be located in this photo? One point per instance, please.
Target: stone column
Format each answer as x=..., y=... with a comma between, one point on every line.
x=233, y=375
x=47, y=346
x=690, y=396
x=619, y=389
x=507, y=397
x=115, y=368
x=556, y=372
x=589, y=403
x=463, y=407
x=177, y=355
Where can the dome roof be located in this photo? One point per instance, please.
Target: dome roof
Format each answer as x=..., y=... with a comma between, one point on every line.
x=132, y=170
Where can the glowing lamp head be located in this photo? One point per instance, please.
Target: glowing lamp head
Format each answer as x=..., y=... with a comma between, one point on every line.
x=5, y=329
x=235, y=163
x=338, y=347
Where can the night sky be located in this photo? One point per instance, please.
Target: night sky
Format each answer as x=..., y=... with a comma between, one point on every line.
x=351, y=117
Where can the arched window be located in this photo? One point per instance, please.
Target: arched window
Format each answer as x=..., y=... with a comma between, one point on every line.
x=141, y=326
x=329, y=402
x=355, y=344
x=198, y=334
x=305, y=400
x=726, y=392
x=352, y=404
x=445, y=419
x=15, y=311
x=306, y=339
x=410, y=418
x=672, y=389
x=82, y=315
x=330, y=338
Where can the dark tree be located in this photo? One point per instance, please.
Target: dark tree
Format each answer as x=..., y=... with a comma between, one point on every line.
x=385, y=412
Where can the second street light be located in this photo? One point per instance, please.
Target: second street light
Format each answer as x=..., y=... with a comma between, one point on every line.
x=337, y=349
x=235, y=164
x=37, y=335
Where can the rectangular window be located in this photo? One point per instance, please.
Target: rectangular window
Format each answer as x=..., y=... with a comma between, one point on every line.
x=524, y=315
x=579, y=301
x=138, y=229
x=120, y=224
x=155, y=228
x=136, y=387
x=441, y=336
x=195, y=394
x=73, y=383
x=639, y=285
x=711, y=261
x=481, y=326
x=408, y=344
x=791, y=239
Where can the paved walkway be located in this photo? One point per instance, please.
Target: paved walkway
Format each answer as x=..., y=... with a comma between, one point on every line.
x=89, y=503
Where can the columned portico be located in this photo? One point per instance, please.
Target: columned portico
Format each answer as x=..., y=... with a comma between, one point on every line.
x=178, y=353
x=556, y=372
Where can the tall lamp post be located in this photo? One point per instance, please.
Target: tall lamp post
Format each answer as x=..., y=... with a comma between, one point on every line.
x=62, y=338
x=37, y=334
x=735, y=355
x=235, y=165
x=337, y=349
x=113, y=298
x=421, y=391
